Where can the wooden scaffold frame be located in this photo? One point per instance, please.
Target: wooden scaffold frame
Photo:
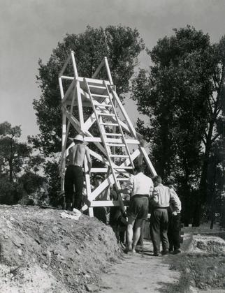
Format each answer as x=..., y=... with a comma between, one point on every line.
x=101, y=96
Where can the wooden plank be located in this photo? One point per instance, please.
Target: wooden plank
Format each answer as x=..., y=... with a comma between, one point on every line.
x=89, y=122
x=99, y=170
x=86, y=95
x=64, y=140
x=110, y=179
x=99, y=157
x=104, y=203
x=67, y=77
x=93, y=139
x=80, y=108
x=108, y=71
x=102, y=187
x=94, y=81
x=98, y=68
x=74, y=64
x=63, y=158
x=68, y=92
x=87, y=179
x=133, y=131
x=91, y=212
x=61, y=88
x=76, y=125
x=149, y=163
x=65, y=65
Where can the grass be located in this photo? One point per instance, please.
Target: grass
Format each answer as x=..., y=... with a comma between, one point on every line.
x=199, y=270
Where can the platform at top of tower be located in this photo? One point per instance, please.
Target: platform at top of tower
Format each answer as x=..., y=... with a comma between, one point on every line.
x=97, y=87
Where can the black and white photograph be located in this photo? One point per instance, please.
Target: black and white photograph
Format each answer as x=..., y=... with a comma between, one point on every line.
x=112, y=146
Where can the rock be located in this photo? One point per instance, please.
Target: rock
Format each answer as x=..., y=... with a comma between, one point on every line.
x=92, y=288
x=187, y=270
x=78, y=251
x=192, y=290
x=19, y=251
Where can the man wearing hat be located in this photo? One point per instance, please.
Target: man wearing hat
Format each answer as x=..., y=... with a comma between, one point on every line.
x=74, y=172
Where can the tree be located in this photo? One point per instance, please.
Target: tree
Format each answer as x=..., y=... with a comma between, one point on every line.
x=18, y=166
x=179, y=95
x=12, y=153
x=120, y=44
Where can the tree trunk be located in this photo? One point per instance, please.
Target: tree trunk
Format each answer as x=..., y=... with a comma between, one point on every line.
x=11, y=162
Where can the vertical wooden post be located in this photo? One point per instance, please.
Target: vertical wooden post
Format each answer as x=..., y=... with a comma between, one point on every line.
x=108, y=71
x=74, y=65
x=80, y=107
x=61, y=88
x=63, y=164
x=88, y=185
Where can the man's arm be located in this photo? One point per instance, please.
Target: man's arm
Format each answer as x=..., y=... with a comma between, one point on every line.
x=151, y=189
x=175, y=201
x=89, y=161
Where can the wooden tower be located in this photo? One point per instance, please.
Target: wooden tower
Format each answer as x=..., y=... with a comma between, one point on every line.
x=117, y=144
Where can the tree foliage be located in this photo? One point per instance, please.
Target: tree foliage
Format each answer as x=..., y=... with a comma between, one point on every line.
x=120, y=44
x=183, y=95
x=12, y=152
x=18, y=166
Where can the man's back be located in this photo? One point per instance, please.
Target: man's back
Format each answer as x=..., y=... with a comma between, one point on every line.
x=142, y=184
x=161, y=195
x=77, y=154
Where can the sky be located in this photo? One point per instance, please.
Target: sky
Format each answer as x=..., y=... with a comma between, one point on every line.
x=31, y=29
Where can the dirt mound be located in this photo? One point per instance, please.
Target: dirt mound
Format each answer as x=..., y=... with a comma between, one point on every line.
x=207, y=244
x=43, y=252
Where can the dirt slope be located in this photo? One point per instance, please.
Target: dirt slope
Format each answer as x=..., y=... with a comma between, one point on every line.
x=42, y=252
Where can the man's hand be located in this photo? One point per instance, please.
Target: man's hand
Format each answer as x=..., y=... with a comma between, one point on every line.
x=174, y=213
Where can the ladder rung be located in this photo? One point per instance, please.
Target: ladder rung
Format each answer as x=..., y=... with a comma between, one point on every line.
x=119, y=156
x=115, y=144
x=124, y=167
x=120, y=171
x=122, y=179
x=109, y=124
x=100, y=96
x=97, y=87
x=105, y=114
x=102, y=105
x=113, y=134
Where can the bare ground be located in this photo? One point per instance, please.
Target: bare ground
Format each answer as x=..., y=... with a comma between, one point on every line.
x=43, y=252
x=140, y=273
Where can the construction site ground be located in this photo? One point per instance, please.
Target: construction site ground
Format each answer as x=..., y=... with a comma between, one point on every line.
x=51, y=251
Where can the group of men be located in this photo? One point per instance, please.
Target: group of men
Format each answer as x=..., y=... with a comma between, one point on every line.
x=146, y=196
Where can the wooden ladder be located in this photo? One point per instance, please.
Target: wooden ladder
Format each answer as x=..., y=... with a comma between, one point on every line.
x=107, y=110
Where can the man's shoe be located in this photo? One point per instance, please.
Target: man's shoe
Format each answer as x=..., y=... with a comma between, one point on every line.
x=156, y=254
x=176, y=251
x=164, y=252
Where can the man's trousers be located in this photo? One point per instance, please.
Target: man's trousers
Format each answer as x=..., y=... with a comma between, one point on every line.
x=74, y=177
x=174, y=232
x=159, y=228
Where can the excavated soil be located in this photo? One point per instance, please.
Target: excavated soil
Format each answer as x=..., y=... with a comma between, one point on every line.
x=43, y=252
x=50, y=251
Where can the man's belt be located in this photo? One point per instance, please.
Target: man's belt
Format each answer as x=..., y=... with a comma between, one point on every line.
x=165, y=208
x=75, y=165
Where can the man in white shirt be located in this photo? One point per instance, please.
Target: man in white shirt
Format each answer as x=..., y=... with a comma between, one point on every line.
x=174, y=222
x=141, y=187
x=161, y=199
